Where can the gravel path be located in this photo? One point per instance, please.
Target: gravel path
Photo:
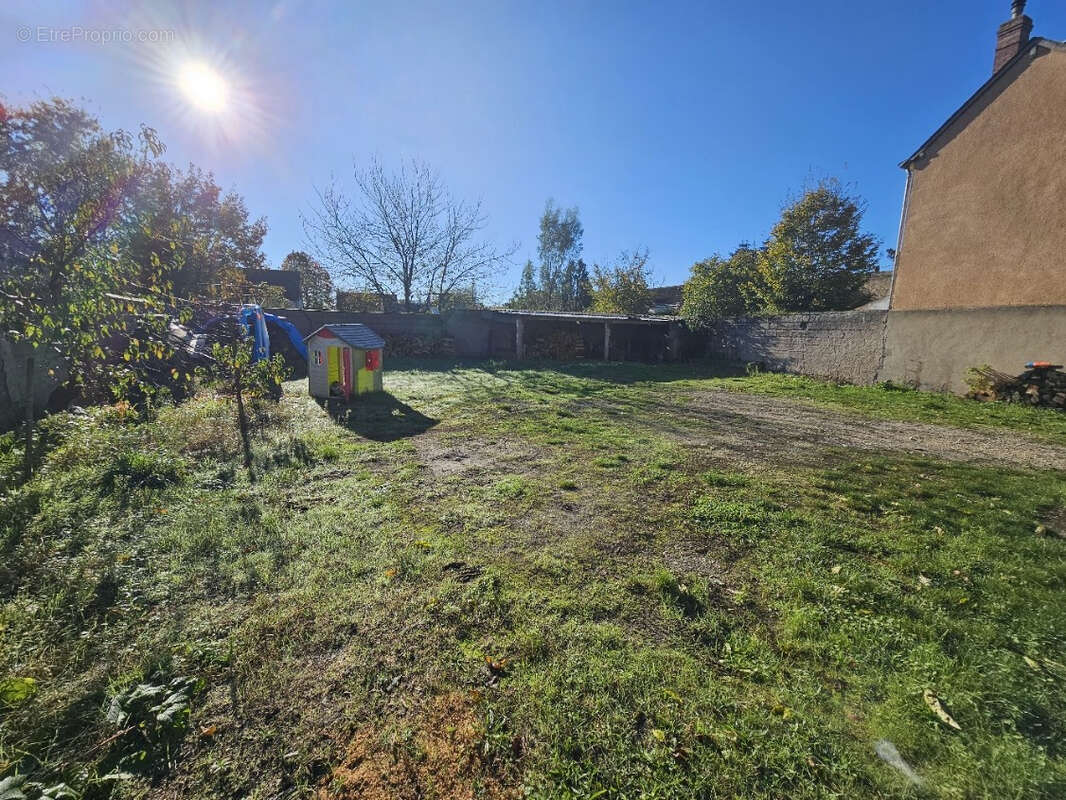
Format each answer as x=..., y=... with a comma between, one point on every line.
x=752, y=427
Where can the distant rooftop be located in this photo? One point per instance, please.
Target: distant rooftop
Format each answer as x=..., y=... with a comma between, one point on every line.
x=289, y=281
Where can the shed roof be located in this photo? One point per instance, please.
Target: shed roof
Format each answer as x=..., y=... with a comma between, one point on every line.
x=353, y=334
x=578, y=316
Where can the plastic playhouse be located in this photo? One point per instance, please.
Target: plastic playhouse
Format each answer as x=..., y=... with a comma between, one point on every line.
x=344, y=360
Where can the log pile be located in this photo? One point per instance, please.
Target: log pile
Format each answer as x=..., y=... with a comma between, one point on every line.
x=558, y=346
x=412, y=345
x=1042, y=384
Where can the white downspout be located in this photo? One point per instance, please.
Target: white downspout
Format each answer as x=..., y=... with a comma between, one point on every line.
x=899, y=238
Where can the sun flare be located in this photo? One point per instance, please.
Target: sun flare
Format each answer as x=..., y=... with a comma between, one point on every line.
x=203, y=87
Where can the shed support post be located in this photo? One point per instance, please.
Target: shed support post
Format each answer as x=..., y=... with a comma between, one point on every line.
x=519, y=339
x=606, y=341
x=673, y=352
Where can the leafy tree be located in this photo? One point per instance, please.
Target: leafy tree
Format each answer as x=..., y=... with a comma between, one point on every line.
x=268, y=295
x=68, y=288
x=360, y=301
x=527, y=295
x=193, y=231
x=558, y=244
x=316, y=286
x=458, y=299
x=561, y=282
x=577, y=286
x=404, y=234
x=723, y=287
x=622, y=288
x=817, y=258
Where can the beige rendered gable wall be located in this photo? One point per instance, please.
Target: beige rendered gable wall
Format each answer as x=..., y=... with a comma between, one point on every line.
x=985, y=223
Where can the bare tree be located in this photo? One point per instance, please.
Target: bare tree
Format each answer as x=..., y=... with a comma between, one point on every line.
x=403, y=234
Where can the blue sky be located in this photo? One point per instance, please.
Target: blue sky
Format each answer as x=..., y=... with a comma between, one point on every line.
x=679, y=126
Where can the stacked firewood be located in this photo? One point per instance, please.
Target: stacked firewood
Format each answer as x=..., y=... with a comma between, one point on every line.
x=1042, y=384
x=412, y=346
x=558, y=346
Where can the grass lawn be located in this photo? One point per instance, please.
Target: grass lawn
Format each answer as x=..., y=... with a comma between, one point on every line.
x=901, y=403
x=504, y=581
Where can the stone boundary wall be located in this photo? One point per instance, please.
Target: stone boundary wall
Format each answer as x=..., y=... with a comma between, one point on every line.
x=843, y=346
x=471, y=331
x=13, y=381
x=927, y=349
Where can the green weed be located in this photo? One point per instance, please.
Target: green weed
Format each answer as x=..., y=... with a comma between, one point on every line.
x=622, y=612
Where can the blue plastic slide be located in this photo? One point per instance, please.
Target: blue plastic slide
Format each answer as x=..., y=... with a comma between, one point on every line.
x=254, y=321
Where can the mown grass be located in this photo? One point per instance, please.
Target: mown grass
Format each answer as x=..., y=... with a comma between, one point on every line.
x=619, y=613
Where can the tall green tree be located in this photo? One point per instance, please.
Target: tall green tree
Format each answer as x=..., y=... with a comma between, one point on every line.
x=560, y=282
x=316, y=286
x=576, y=286
x=527, y=295
x=558, y=244
x=623, y=287
x=724, y=287
x=233, y=287
x=817, y=257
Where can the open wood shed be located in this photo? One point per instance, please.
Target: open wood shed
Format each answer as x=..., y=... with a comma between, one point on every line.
x=344, y=360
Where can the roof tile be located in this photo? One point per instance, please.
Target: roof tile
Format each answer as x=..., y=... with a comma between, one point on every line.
x=354, y=334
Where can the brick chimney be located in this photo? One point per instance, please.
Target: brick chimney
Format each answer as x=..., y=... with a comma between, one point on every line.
x=1013, y=35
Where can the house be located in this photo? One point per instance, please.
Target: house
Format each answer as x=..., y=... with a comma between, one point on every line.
x=877, y=288
x=344, y=360
x=666, y=299
x=984, y=214
x=980, y=268
x=287, y=280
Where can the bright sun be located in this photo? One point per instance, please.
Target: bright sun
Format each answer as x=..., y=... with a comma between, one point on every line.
x=203, y=87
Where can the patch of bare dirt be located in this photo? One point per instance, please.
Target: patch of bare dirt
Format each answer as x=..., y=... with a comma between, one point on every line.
x=442, y=762
x=445, y=456
x=1055, y=523
x=694, y=557
x=756, y=428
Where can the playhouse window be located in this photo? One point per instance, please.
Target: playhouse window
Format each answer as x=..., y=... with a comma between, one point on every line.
x=318, y=357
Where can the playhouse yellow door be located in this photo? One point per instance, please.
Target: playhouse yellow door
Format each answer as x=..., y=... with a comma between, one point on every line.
x=366, y=381
x=334, y=369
